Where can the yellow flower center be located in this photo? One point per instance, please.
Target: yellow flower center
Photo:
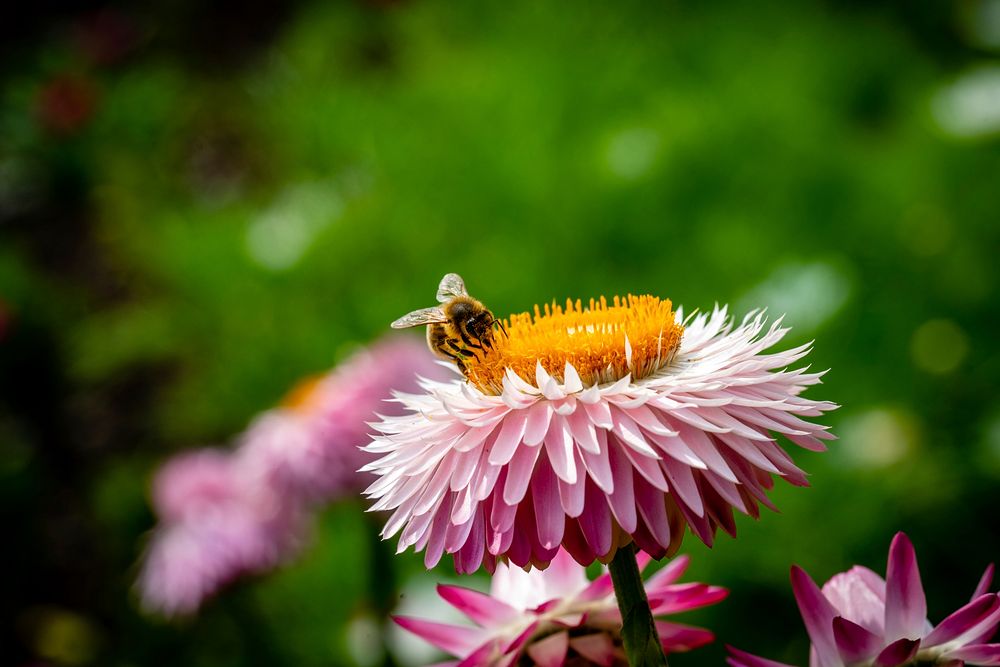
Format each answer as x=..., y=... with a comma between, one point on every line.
x=604, y=343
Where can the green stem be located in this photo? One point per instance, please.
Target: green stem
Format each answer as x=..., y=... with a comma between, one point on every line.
x=642, y=644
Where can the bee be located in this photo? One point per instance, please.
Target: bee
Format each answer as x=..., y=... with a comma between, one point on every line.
x=460, y=328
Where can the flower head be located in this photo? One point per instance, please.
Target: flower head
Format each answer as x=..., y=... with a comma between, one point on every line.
x=858, y=618
x=588, y=428
x=230, y=513
x=556, y=615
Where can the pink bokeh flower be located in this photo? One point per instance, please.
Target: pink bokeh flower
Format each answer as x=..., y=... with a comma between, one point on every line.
x=858, y=618
x=632, y=423
x=556, y=616
x=311, y=444
x=215, y=527
x=225, y=514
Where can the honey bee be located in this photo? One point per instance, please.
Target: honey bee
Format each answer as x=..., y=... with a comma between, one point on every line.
x=461, y=327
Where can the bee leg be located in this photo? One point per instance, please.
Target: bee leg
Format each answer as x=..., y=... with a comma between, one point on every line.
x=460, y=350
x=500, y=324
x=468, y=341
x=456, y=358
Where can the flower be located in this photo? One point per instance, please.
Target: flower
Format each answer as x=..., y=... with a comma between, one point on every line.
x=860, y=619
x=225, y=514
x=310, y=444
x=588, y=428
x=554, y=615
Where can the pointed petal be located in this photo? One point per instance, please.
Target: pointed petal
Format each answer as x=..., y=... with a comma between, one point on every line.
x=454, y=639
x=818, y=615
x=978, y=654
x=480, y=607
x=962, y=620
x=676, y=637
x=905, y=604
x=984, y=582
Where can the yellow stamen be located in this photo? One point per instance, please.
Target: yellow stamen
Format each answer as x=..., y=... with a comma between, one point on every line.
x=636, y=335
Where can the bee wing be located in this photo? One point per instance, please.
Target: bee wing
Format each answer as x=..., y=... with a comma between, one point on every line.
x=422, y=316
x=451, y=286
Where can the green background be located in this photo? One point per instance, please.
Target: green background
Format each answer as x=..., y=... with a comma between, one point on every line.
x=237, y=196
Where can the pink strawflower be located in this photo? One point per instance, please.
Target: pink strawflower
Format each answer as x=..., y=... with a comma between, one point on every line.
x=225, y=514
x=860, y=619
x=556, y=616
x=589, y=428
x=311, y=444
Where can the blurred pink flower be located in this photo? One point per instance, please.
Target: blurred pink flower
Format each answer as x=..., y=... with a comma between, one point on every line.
x=860, y=619
x=215, y=527
x=556, y=616
x=628, y=432
x=310, y=445
x=229, y=513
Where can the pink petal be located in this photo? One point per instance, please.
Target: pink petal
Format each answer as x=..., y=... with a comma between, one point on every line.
x=560, y=450
x=897, y=653
x=539, y=416
x=595, y=522
x=978, y=654
x=519, y=474
x=597, y=648
x=984, y=582
x=549, y=517
x=600, y=414
x=676, y=637
x=470, y=557
x=962, y=620
x=622, y=499
x=818, y=615
x=859, y=596
x=480, y=607
x=738, y=658
x=572, y=496
x=669, y=573
x=905, y=605
x=551, y=651
x=684, y=487
x=598, y=465
x=455, y=639
x=855, y=643
x=510, y=437
x=583, y=431
x=652, y=510
x=677, y=599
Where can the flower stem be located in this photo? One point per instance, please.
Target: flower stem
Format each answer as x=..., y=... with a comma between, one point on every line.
x=642, y=643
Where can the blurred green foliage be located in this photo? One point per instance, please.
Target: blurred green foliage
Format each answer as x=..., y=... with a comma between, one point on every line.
x=186, y=232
